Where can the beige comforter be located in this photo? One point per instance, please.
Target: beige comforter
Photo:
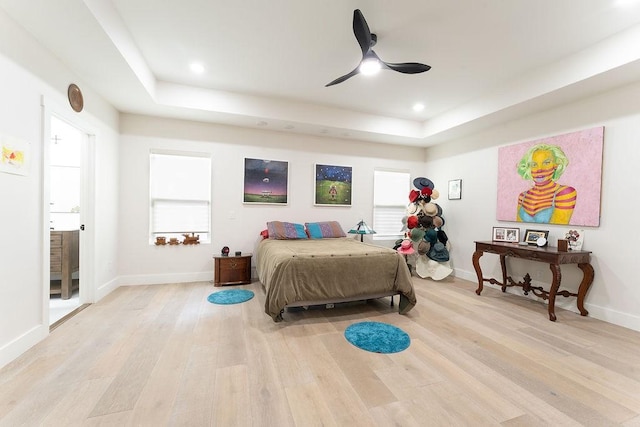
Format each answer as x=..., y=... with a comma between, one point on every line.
x=317, y=270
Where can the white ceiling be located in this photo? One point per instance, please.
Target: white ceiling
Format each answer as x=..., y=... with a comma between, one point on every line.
x=266, y=62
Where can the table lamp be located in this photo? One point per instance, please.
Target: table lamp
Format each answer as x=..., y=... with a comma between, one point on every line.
x=361, y=228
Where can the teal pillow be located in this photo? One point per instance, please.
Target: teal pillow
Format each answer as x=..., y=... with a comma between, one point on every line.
x=324, y=230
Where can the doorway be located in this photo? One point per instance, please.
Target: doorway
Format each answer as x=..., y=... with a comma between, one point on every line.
x=65, y=189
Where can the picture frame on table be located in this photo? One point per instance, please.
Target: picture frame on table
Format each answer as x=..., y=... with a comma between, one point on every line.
x=532, y=237
x=455, y=189
x=506, y=234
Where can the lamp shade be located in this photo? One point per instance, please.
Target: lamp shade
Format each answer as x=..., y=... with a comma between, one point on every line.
x=362, y=228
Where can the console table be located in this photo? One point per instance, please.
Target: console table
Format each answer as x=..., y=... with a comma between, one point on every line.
x=549, y=255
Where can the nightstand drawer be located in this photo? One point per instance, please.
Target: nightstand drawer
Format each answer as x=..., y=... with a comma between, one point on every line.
x=232, y=270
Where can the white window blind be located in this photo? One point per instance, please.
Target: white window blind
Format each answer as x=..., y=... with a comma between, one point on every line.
x=390, y=199
x=180, y=193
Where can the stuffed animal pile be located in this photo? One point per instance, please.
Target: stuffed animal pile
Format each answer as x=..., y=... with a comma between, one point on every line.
x=425, y=239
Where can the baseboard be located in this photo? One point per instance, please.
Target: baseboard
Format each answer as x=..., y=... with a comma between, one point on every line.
x=104, y=290
x=626, y=320
x=15, y=348
x=159, y=279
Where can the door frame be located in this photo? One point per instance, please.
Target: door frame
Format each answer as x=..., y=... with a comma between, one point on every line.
x=87, y=202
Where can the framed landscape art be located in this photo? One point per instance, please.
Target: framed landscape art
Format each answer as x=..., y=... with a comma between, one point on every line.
x=266, y=181
x=333, y=185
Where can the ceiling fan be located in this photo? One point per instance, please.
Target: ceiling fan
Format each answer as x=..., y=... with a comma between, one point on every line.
x=371, y=61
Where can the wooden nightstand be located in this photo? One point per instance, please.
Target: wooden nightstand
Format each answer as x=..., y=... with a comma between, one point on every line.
x=231, y=270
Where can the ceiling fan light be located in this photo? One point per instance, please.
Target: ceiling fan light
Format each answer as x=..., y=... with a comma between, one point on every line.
x=370, y=66
x=196, y=67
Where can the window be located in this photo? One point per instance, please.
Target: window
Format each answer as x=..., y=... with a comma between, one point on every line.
x=390, y=199
x=180, y=195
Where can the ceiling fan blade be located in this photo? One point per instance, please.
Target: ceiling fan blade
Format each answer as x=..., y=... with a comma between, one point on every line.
x=343, y=78
x=408, y=67
x=361, y=31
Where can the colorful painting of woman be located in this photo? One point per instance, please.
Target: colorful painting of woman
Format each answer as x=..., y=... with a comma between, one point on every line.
x=547, y=201
x=553, y=180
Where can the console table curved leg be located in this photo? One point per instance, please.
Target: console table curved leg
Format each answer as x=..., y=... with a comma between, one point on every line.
x=503, y=266
x=476, y=266
x=587, y=280
x=555, y=285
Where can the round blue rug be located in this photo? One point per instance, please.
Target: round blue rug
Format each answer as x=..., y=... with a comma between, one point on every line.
x=230, y=296
x=377, y=337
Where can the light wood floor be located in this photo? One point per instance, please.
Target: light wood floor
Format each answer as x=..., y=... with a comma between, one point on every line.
x=162, y=355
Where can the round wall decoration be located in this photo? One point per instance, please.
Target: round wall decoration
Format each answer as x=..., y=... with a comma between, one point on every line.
x=75, y=97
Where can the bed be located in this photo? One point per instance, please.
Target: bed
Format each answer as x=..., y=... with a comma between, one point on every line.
x=306, y=272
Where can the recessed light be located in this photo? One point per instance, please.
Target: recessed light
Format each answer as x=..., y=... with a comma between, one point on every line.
x=197, y=67
x=625, y=3
x=418, y=107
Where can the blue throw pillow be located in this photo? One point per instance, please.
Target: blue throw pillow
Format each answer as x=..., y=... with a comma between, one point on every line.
x=324, y=230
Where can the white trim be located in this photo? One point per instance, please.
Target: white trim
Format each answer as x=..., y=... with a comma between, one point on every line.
x=159, y=279
x=104, y=290
x=15, y=348
x=87, y=218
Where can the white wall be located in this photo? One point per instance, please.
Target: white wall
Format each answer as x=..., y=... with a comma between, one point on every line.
x=235, y=224
x=23, y=292
x=614, y=295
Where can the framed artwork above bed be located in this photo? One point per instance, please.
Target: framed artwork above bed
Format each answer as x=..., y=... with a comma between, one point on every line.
x=266, y=181
x=333, y=185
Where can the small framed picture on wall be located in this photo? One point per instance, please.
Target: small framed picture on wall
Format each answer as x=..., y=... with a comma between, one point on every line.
x=455, y=189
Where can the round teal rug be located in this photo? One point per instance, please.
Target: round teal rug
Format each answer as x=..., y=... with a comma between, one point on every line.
x=377, y=337
x=230, y=296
